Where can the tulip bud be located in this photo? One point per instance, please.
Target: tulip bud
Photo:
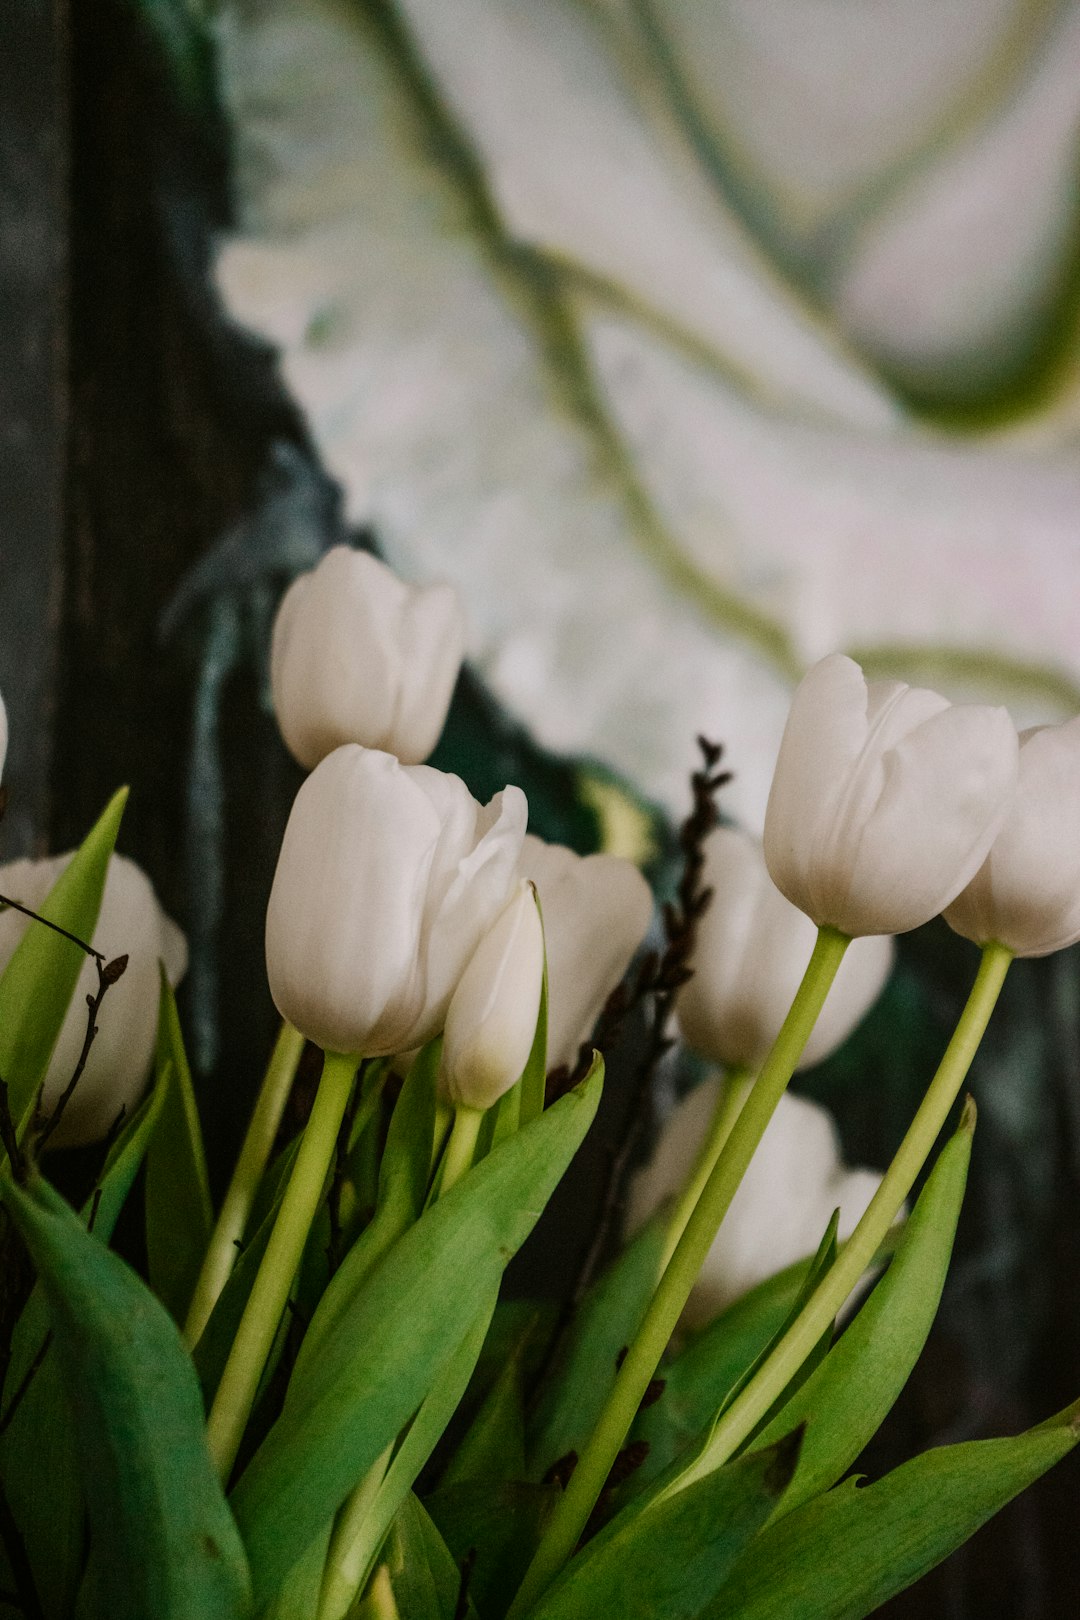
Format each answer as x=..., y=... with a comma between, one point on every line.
x=885, y=799
x=359, y=656
x=492, y=1015
x=596, y=911
x=751, y=952
x=388, y=877
x=130, y=923
x=784, y=1202
x=1026, y=894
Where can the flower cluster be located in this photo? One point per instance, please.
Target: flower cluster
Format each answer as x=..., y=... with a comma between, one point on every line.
x=400, y=906
x=446, y=961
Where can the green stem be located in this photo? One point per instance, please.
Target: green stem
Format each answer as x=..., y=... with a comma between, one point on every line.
x=233, y=1217
x=589, y=1477
x=776, y=1373
x=732, y=1095
x=461, y=1147
x=262, y=1314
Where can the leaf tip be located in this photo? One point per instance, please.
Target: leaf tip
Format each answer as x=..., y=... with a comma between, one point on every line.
x=968, y=1116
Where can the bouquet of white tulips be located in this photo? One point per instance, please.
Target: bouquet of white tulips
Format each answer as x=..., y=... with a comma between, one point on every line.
x=315, y=1404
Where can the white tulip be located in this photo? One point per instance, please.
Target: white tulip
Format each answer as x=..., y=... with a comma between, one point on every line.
x=885, y=800
x=492, y=1015
x=596, y=911
x=784, y=1202
x=751, y=952
x=388, y=877
x=3, y=736
x=130, y=923
x=359, y=656
x=1026, y=894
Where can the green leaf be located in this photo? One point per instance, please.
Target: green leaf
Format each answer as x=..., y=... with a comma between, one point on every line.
x=579, y=1381
x=819, y=1265
x=842, y=1555
x=122, y=1165
x=403, y=1180
x=425, y=1579
x=424, y=1434
x=698, y=1379
x=672, y=1560
x=39, y=1463
x=179, y=1214
x=38, y=1451
x=388, y=1343
x=164, y=1542
x=845, y=1400
x=40, y=978
x=216, y=1340
x=300, y=1590
x=493, y=1447
x=501, y=1524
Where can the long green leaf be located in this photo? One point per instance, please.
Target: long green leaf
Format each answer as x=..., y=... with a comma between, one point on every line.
x=699, y=1378
x=403, y=1179
x=38, y=1451
x=846, y=1398
x=500, y=1525
x=580, y=1379
x=164, y=1541
x=215, y=1342
x=179, y=1215
x=388, y=1345
x=424, y=1433
x=493, y=1446
x=40, y=979
x=843, y=1554
x=425, y=1579
x=670, y=1561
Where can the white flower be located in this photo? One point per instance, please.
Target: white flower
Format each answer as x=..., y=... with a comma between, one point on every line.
x=3, y=736
x=885, y=799
x=359, y=656
x=130, y=923
x=784, y=1202
x=751, y=952
x=388, y=877
x=1026, y=894
x=492, y=1015
x=596, y=911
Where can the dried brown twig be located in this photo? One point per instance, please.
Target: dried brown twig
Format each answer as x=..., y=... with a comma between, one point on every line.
x=108, y=973
x=654, y=987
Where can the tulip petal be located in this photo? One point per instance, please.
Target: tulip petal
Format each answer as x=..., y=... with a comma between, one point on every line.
x=492, y=1015
x=346, y=909
x=432, y=641
x=824, y=737
x=596, y=911
x=948, y=786
x=1026, y=895
x=327, y=689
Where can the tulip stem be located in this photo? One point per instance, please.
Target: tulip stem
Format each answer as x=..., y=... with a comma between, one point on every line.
x=732, y=1095
x=574, y=1507
x=460, y=1148
x=773, y=1377
x=269, y=1295
x=232, y=1218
